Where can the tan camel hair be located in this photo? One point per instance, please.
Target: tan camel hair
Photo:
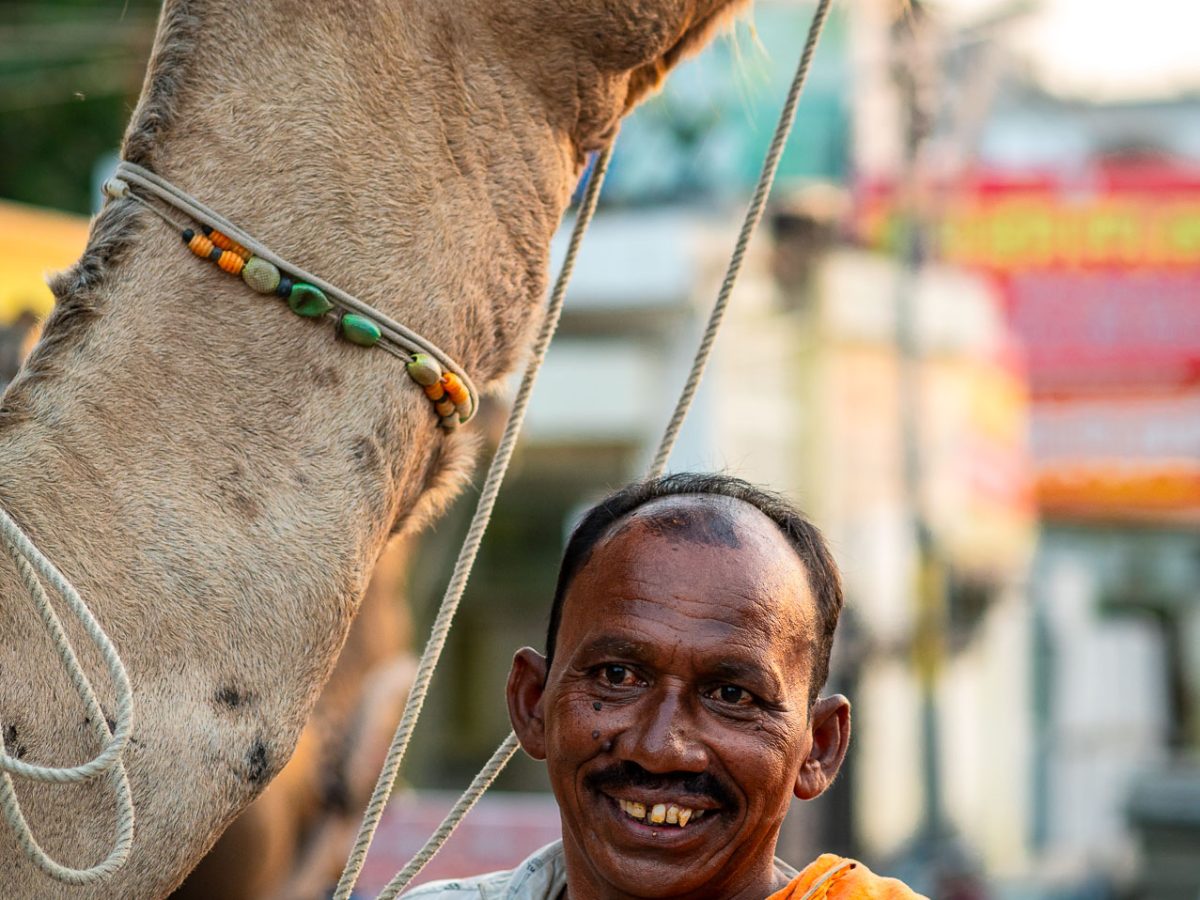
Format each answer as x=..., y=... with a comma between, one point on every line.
x=216, y=476
x=292, y=841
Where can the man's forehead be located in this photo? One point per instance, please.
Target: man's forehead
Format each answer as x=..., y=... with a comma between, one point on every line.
x=742, y=550
x=710, y=519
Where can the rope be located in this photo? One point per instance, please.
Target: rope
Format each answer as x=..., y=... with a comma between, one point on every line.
x=466, y=558
x=504, y=752
x=398, y=340
x=766, y=178
x=462, y=806
x=31, y=564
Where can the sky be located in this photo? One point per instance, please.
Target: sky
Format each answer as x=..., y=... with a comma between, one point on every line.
x=1101, y=49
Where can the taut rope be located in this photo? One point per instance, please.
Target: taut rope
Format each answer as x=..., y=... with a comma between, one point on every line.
x=458, y=581
x=508, y=747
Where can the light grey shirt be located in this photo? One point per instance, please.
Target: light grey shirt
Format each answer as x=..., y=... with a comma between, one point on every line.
x=541, y=877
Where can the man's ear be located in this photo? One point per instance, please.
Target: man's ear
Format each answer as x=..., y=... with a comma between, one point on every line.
x=526, y=685
x=830, y=725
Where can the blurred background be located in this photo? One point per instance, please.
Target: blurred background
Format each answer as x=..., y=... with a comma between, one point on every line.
x=973, y=322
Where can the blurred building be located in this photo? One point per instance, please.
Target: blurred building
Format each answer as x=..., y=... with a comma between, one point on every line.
x=1086, y=218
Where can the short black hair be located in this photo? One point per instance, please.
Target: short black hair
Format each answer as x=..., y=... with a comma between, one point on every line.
x=825, y=582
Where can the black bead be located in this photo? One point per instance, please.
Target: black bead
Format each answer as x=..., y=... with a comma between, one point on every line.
x=206, y=229
x=215, y=254
x=188, y=234
x=285, y=286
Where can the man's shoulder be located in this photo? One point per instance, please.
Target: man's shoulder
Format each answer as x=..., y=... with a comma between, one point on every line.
x=540, y=877
x=478, y=887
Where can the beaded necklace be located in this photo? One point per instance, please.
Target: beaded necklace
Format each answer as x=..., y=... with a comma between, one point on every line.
x=236, y=253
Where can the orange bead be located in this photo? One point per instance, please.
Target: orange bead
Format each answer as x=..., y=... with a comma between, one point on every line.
x=434, y=391
x=200, y=245
x=444, y=407
x=232, y=263
x=455, y=388
x=226, y=244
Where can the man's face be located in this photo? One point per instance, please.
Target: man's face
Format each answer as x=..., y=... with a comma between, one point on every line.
x=681, y=680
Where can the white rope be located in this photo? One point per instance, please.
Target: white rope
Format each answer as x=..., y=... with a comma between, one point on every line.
x=754, y=211
x=398, y=339
x=462, y=806
x=30, y=565
x=466, y=558
x=750, y=222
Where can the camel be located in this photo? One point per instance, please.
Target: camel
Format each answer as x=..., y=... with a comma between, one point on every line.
x=218, y=477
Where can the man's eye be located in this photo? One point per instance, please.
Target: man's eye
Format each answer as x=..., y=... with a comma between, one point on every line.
x=615, y=674
x=734, y=695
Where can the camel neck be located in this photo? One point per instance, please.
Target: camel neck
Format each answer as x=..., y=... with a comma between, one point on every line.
x=375, y=151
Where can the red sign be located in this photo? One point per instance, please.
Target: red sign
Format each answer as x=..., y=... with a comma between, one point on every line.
x=1101, y=280
x=1101, y=276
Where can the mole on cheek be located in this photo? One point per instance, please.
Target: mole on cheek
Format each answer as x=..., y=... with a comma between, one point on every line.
x=595, y=735
x=597, y=706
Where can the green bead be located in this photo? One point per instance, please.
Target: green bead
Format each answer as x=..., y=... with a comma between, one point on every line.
x=261, y=275
x=359, y=330
x=308, y=301
x=424, y=370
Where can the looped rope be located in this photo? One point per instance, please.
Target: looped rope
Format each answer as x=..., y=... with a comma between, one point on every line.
x=437, y=640
x=33, y=567
x=399, y=340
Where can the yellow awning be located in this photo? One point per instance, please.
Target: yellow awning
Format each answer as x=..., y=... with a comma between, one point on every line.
x=33, y=243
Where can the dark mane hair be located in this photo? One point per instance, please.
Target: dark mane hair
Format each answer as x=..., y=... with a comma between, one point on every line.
x=824, y=580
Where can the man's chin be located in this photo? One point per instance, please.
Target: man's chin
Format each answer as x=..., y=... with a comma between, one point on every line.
x=642, y=859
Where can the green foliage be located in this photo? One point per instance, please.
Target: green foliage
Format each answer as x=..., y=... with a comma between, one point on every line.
x=70, y=72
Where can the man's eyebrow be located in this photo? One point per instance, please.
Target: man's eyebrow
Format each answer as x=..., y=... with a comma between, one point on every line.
x=610, y=645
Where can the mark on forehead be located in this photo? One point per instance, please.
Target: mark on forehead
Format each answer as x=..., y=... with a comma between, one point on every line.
x=693, y=523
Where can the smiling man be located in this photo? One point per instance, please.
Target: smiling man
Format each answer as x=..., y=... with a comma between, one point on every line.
x=677, y=705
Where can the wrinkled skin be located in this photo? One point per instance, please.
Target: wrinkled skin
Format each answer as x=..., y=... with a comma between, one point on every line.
x=682, y=675
x=218, y=477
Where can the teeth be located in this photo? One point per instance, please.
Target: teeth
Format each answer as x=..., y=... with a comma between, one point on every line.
x=660, y=813
x=636, y=810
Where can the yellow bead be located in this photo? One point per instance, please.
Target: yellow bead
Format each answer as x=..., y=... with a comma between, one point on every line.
x=260, y=275
x=424, y=370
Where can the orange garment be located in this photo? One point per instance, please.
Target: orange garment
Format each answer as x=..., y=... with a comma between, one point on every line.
x=832, y=877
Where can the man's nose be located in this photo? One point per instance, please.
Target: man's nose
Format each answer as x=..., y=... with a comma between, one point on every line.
x=665, y=736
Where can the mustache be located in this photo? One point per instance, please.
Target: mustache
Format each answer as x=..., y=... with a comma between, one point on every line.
x=628, y=774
